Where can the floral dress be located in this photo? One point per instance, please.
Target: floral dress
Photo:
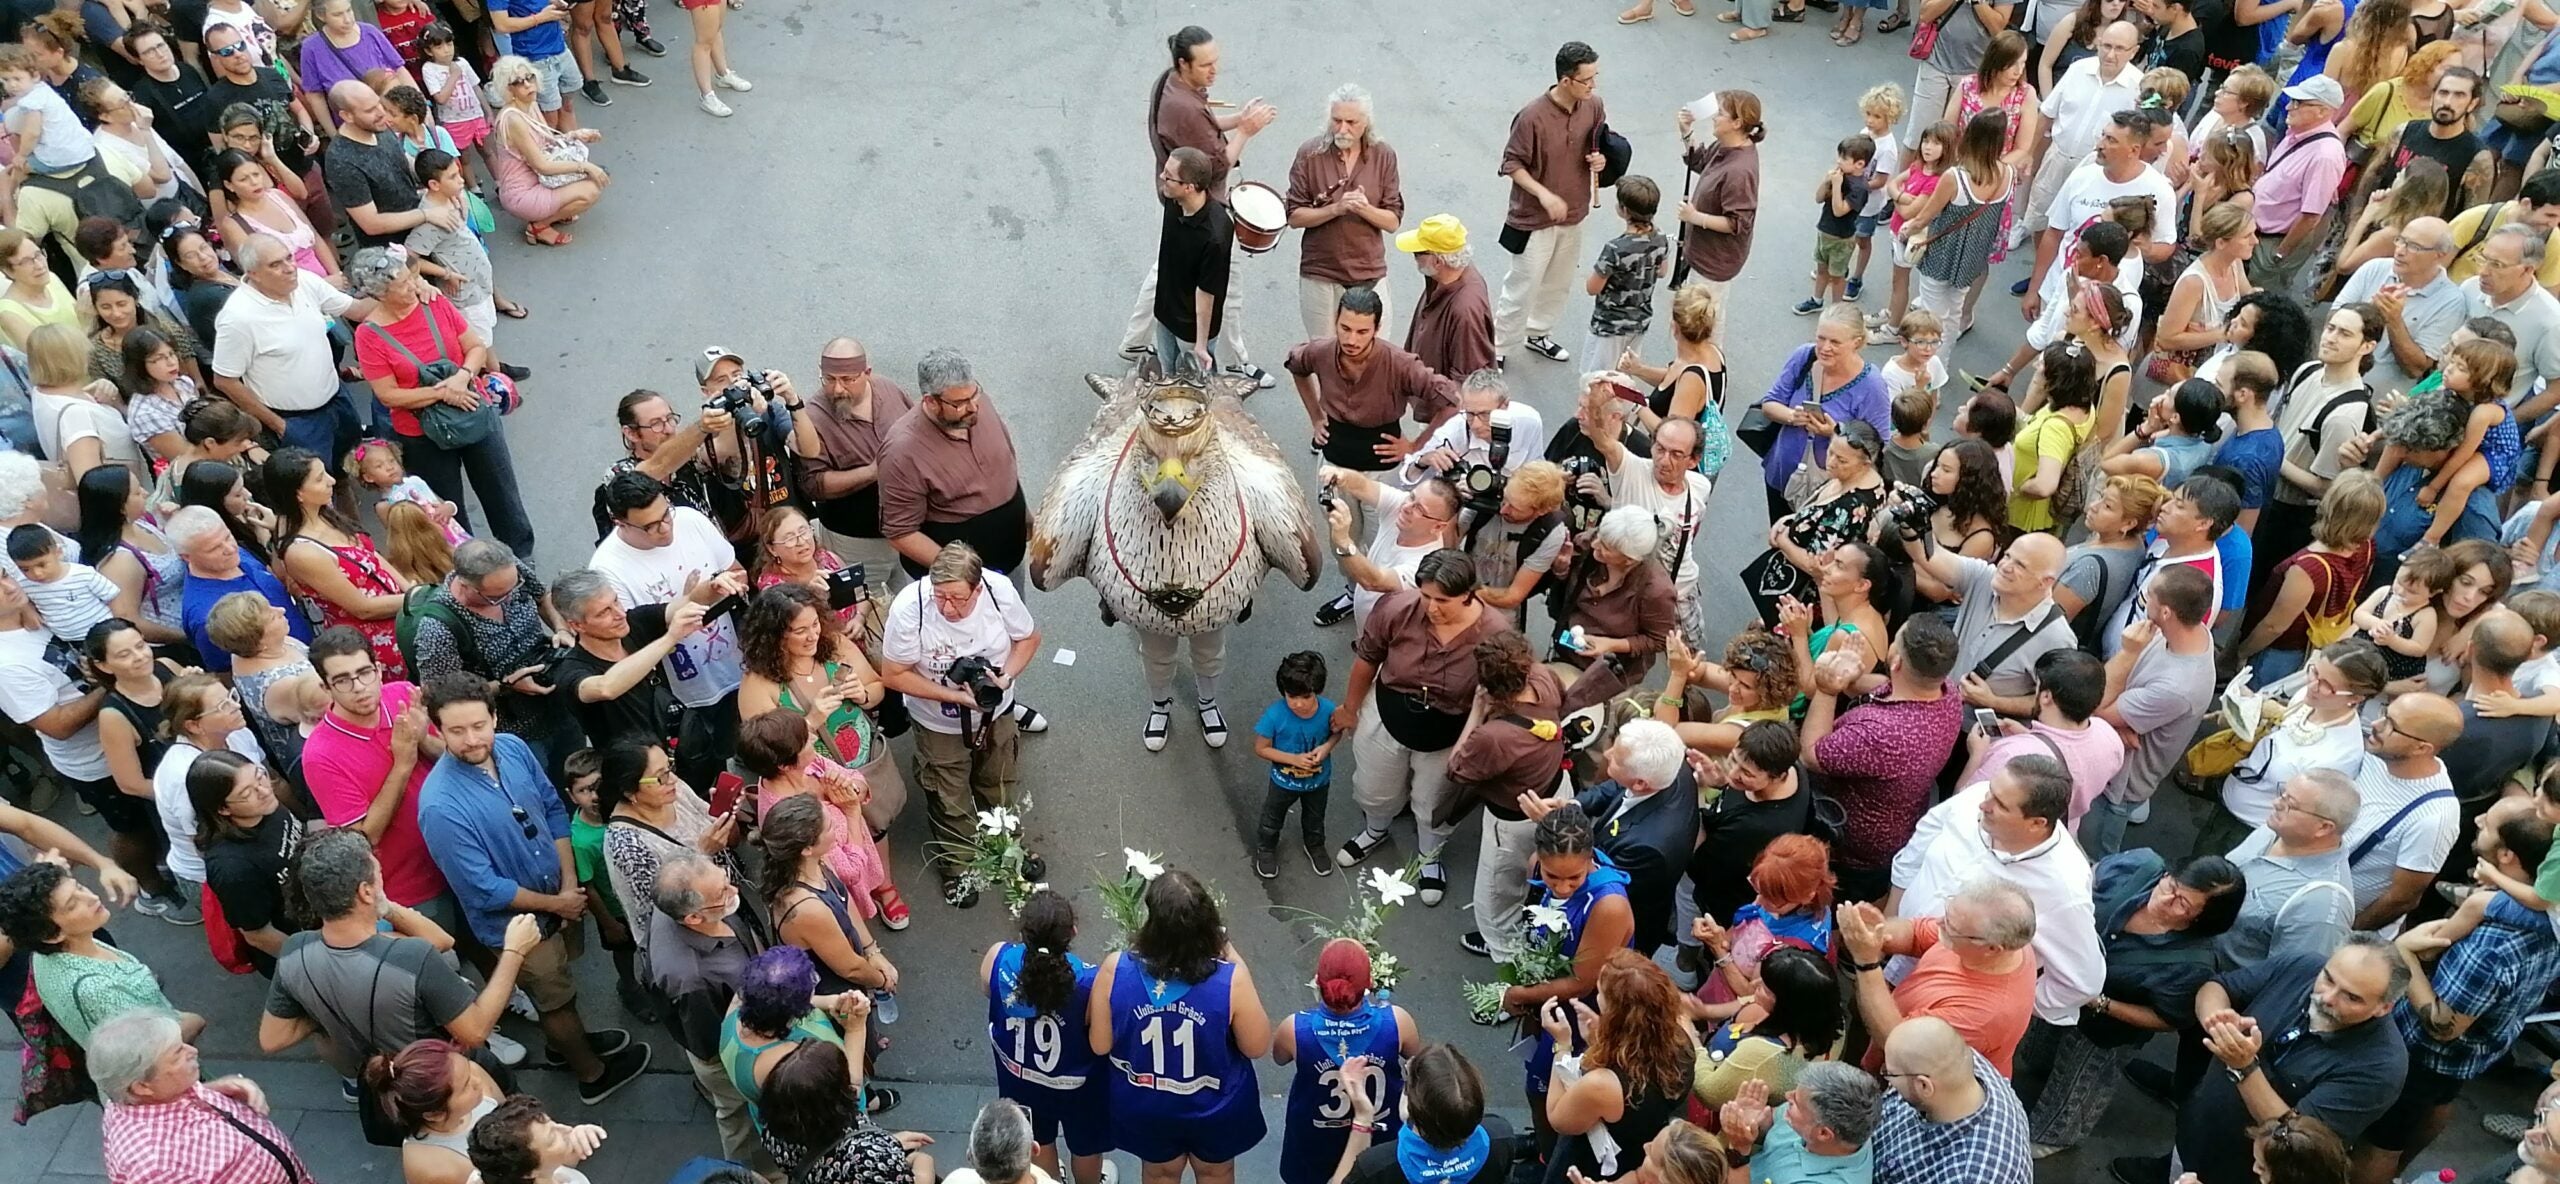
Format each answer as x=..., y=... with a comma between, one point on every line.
x=372, y=575
x=1816, y=528
x=1969, y=104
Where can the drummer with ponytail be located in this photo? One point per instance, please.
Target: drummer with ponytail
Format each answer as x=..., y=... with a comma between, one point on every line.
x=1037, y=994
x=1353, y=1020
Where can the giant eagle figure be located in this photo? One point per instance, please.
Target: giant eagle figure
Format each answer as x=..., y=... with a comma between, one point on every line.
x=1173, y=506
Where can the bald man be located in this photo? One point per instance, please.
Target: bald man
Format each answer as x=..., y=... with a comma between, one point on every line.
x=2422, y=307
x=839, y=447
x=369, y=176
x=1948, y=1113
x=2410, y=817
x=2005, y=615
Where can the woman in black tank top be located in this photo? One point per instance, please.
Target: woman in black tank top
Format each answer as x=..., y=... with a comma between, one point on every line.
x=1691, y=385
x=129, y=732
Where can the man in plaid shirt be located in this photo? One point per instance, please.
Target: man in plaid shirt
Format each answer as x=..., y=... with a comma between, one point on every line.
x=2461, y=1016
x=1949, y=1118
x=165, y=1124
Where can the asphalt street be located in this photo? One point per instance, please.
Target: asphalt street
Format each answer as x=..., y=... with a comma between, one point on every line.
x=975, y=176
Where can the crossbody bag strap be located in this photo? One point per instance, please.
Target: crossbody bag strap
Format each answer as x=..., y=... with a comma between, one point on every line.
x=2009, y=645
x=2374, y=840
x=435, y=333
x=284, y=1159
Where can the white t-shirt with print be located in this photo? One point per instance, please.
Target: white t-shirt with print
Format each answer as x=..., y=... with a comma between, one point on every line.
x=2085, y=194
x=1681, y=514
x=31, y=686
x=917, y=634
x=704, y=667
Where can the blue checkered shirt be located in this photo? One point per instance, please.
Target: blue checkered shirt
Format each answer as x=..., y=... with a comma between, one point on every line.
x=1988, y=1146
x=2497, y=975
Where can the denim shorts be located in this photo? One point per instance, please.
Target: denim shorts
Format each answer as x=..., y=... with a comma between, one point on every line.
x=1867, y=224
x=559, y=75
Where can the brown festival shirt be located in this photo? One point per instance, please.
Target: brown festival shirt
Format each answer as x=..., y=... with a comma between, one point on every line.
x=1452, y=328
x=1501, y=760
x=1728, y=186
x=1345, y=250
x=1398, y=640
x=1642, y=609
x=926, y=476
x=1395, y=382
x=1551, y=142
x=1183, y=120
x=849, y=442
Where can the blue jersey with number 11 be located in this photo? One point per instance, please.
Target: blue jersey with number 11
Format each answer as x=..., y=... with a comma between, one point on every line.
x=1174, y=1049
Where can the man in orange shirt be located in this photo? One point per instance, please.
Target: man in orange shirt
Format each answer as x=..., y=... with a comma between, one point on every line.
x=1975, y=970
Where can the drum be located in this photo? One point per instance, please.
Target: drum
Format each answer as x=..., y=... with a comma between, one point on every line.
x=1259, y=216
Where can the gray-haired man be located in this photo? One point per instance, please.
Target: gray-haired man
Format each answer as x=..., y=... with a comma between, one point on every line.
x=1818, y=1132
x=1344, y=191
x=492, y=618
x=699, y=944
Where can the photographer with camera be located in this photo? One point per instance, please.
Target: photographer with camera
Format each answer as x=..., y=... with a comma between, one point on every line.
x=658, y=442
x=658, y=553
x=612, y=676
x=1616, y=610
x=955, y=643
x=1411, y=524
x=2005, y=614
x=1516, y=538
x=1481, y=446
x=774, y=428
x=1357, y=391
x=1667, y=483
x=491, y=618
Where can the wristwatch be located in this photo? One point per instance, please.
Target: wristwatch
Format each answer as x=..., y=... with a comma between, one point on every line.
x=1736, y=1159
x=2240, y=1074
x=1857, y=967
x=1345, y=552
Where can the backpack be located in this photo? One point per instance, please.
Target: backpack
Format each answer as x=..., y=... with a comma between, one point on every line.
x=420, y=604
x=2071, y=494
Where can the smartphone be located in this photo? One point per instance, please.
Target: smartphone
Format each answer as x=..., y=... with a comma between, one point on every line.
x=725, y=792
x=846, y=588
x=726, y=606
x=1986, y=721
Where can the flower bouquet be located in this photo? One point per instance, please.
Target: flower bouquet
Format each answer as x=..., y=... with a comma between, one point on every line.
x=1541, y=959
x=1124, y=900
x=1371, y=902
x=996, y=857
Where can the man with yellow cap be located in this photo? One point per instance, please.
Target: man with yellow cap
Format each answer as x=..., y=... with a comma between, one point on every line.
x=1452, y=330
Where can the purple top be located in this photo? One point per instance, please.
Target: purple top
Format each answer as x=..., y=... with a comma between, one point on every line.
x=325, y=65
x=1863, y=398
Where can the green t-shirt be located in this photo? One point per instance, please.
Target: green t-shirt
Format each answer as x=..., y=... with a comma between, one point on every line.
x=586, y=844
x=2546, y=882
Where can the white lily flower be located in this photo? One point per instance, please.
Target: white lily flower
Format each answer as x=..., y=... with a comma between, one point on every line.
x=1390, y=886
x=1546, y=916
x=1142, y=863
x=998, y=821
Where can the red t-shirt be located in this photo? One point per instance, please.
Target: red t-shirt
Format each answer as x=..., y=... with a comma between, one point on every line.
x=345, y=765
x=402, y=30
x=380, y=360
x=1989, y=1010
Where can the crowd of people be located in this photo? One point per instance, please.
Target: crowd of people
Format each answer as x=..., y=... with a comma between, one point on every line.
x=2281, y=406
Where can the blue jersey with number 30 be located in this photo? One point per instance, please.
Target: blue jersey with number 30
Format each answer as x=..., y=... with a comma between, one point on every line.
x=1319, y=1118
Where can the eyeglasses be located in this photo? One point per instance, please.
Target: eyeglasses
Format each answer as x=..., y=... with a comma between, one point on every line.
x=797, y=537
x=524, y=820
x=234, y=49
x=666, y=524
x=664, y=423
x=354, y=678
x=2287, y=803
x=2420, y=245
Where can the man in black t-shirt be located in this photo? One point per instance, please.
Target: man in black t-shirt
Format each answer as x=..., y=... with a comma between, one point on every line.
x=369, y=176
x=2445, y=137
x=613, y=677
x=1192, y=256
x=237, y=79
x=1765, y=796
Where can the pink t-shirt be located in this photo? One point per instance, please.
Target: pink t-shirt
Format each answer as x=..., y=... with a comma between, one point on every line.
x=345, y=765
x=2093, y=754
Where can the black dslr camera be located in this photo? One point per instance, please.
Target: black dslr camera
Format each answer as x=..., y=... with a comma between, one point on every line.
x=1582, y=512
x=738, y=399
x=979, y=676
x=1480, y=485
x=1909, y=509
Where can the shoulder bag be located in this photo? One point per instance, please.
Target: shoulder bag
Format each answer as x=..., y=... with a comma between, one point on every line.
x=2375, y=839
x=1924, y=36
x=443, y=424
x=1758, y=432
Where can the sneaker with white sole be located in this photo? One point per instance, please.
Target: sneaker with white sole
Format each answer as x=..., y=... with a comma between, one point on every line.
x=1213, y=724
x=1359, y=847
x=712, y=105
x=1028, y=718
x=1545, y=347
x=620, y=1069
x=522, y=1004
x=626, y=76
x=508, y=1052
x=1159, y=723
x=733, y=82
x=176, y=910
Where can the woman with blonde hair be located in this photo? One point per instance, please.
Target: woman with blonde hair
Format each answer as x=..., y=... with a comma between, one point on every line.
x=544, y=176
x=1691, y=385
x=2200, y=303
x=2099, y=573
x=1634, y=1074
x=2315, y=588
x=414, y=544
x=2387, y=108
x=79, y=420
x=2239, y=104
x=2376, y=46
x=2228, y=163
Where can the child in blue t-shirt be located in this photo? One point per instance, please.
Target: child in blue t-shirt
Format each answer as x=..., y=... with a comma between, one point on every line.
x=1297, y=736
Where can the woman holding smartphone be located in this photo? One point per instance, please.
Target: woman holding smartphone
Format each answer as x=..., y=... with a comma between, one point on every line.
x=798, y=659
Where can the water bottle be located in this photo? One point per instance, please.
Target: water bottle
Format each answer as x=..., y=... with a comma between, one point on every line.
x=884, y=1007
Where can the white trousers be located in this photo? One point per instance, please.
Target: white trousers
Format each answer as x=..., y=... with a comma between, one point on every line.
x=2050, y=174
x=1533, y=291
x=1142, y=321
x=1156, y=652
x=1929, y=93
x=1386, y=776
x=1502, y=883
x=1319, y=299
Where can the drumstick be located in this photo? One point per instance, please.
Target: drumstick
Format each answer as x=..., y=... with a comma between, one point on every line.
x=1218, y=103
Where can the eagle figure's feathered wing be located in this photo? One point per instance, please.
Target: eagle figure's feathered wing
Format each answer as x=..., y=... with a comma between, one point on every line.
x=1196, y=572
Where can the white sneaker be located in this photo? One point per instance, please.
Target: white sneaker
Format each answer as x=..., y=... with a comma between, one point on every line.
x=522, y=1004
x=733, y=82
x=713, y=105
x=508, y=1052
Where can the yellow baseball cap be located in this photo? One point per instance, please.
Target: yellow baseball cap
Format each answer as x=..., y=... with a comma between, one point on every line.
x=1439, y=234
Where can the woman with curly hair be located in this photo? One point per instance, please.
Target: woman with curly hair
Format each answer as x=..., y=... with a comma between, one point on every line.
x=1177, y=1014
x=778, y=1009
x=2270, y=321
x=1757, y=679
x=1971, y=512
x=2376, y=46
x=517, y=1142
x=82, y=979
x=799, y=659
x=1631, y=1079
